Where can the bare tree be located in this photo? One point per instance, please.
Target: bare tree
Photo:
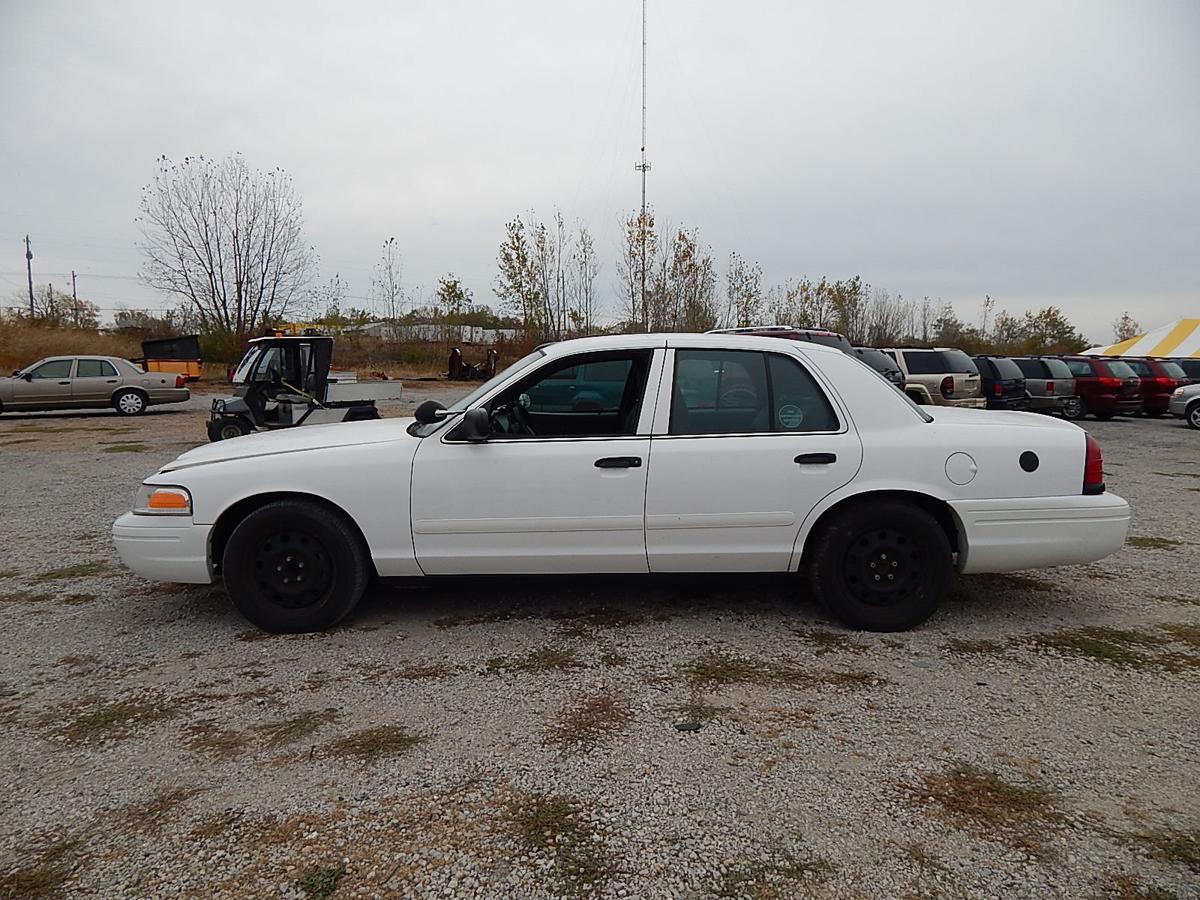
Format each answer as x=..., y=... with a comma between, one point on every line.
x=1125, y=327
x=585, y=268
x=387, y=285
x=227, y=239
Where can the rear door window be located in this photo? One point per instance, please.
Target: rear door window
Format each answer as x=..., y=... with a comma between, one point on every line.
x=797, y=402
x=95, y=368
x=1030, y=368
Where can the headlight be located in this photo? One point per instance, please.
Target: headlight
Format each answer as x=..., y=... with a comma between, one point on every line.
x=1178, y=392
x=160, y=500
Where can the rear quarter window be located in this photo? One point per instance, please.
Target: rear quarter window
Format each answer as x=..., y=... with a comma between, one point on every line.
x=1006, y=368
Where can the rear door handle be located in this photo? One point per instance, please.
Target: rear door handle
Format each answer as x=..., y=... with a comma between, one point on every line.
x=64, y=382
x=619, y=462
x=816, y=459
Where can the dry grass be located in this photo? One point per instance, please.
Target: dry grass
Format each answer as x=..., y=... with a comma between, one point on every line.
x=555, y=826
x=543, y=659
x=986, y=805
x=1128, y=887
x=22, y=344
x=90, y=569
x=152, y=814
x=76, y=599
x=1171, y=845
x=771, y=876
x=24, y=597
x=822, y=641
x=371, y=744
x=296, y=728
x=132, y=447
x=210, y=738
x=118, y=718
x=319, y=884
x=1103, y=644
x=590, y=718
x=43, y=874
x=715, y=669
x=1152, y=543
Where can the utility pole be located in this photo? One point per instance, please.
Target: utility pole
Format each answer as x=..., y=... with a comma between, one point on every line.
x=74, y=301
x=643, y=166
x=29, y=272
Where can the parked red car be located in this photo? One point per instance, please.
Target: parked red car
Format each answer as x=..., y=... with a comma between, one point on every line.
x=1105, y=386
x=1159, y=378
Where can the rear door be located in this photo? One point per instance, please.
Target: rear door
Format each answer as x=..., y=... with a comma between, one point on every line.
x=94, y=381
x=49, y=385
x=745, y=444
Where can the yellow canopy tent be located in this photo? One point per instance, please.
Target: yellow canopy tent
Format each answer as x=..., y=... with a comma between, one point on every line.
x=1178, y=338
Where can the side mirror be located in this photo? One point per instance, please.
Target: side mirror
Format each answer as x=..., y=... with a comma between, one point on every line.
x=427, y=412
x=476, y=426
x=28, y=376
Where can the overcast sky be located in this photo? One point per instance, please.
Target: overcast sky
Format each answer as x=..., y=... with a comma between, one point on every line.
x=1039, y=152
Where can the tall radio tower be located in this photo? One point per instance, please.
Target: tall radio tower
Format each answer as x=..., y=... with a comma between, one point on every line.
x=643, y=166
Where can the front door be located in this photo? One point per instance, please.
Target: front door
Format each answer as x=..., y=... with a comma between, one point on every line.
x=559, y=486
x=746, y=444
x=49, y=385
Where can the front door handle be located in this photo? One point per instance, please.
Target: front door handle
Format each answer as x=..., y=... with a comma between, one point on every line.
x=619, y=462
x=816, y=459
x=64, y=382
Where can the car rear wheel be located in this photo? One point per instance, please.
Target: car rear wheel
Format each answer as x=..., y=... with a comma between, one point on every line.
x=292, y=566
x=1192, y=415
x=1074, y=409
x=129, y=403
x=882, y=566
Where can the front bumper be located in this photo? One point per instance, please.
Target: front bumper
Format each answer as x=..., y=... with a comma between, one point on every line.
x=164, y=548
x=1178, y=405
x=1007, y=535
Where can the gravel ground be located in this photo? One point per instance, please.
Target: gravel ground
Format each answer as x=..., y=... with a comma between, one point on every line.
x=521, y=738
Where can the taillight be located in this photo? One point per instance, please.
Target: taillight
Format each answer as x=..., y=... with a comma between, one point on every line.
x=1049, y=387
x=1107, y=381
x=948, y=386
x=1093, y=466
x=997, y=389
x=180, y=381
x=1168, y=383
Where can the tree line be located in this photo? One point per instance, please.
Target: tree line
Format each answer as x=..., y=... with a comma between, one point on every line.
x=227, y=241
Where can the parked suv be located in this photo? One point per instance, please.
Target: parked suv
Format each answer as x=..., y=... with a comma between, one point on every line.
x=1105, y=386
x=1050, y=385
x=1190, y=366
x=939, y=376
x=1002, y=382
x=1159, y=378
x=881, y=363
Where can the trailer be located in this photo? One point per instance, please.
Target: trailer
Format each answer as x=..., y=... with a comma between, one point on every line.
x=177, y=356
x=283, y=382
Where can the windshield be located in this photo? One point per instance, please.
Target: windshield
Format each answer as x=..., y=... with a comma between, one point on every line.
x=479, y=393
x=242, y=373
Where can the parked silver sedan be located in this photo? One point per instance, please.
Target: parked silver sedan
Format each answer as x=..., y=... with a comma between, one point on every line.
x=89, y=382
x=1185, y=403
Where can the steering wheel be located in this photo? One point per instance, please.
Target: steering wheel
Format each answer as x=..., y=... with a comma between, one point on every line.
x=511, y=418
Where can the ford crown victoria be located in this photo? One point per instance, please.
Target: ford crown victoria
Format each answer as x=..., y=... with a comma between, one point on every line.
x=637, y=453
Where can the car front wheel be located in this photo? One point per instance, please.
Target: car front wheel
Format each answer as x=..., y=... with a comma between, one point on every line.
x=1193, y=415
x=295, y=566
x=130, y=403
x=882, y=566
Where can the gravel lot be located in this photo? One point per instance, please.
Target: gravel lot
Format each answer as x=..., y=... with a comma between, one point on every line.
x=518, y=738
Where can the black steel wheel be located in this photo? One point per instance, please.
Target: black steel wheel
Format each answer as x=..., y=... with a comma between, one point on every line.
x=295, y=566
x=881, y=566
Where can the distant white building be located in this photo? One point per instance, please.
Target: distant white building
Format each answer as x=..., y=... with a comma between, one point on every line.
x=461, y=334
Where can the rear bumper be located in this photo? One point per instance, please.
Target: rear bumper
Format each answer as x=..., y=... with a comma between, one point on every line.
x=1019, y=404
x=1006, y=535
x=169, y=395
x=164, y=549
x=1047, y=403
x=968, y=402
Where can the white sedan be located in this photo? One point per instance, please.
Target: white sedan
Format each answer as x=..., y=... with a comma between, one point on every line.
x=637, y=453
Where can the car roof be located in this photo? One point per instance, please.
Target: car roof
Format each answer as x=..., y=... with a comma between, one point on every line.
x=683, y=340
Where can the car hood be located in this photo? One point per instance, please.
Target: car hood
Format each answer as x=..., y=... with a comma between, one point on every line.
x=295, y=440
x=965, y=416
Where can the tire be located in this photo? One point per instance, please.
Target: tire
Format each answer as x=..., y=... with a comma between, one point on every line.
x=226, y=429
x=129, y=402
x=1192, y=415
x=274, y=548
x=1074, y=410
x=869, y=537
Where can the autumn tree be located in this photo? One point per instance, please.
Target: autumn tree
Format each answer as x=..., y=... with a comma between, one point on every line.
x=54, y=309
x=743, y=291
x=1125, y=327
x=226, y=239
x=639, y=248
